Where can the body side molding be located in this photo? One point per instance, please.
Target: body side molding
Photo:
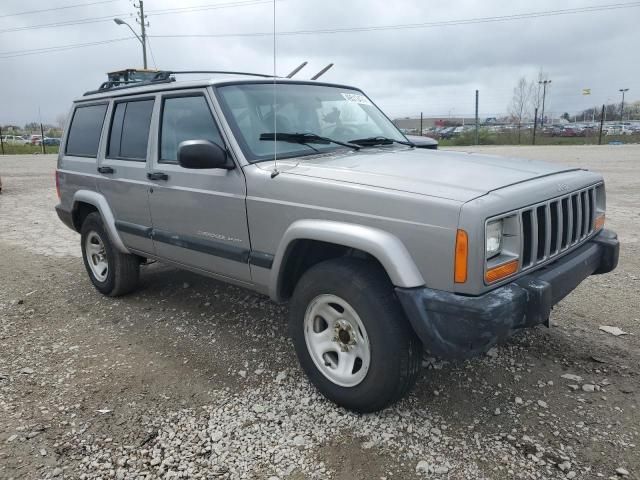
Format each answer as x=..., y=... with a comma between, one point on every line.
x=385, y=247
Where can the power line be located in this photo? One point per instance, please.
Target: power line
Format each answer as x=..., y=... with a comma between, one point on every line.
x=57, y=8
x=446, y=23
x=108, y=18
x=35, y=51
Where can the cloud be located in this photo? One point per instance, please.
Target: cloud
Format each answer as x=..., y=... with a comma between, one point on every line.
x=434, y=70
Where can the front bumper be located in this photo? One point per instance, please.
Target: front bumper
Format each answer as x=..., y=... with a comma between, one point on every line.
x=457, y=326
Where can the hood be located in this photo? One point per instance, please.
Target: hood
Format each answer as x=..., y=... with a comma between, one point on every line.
x=452, y=175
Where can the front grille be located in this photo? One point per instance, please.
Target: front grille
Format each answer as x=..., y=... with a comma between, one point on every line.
x=551, y=227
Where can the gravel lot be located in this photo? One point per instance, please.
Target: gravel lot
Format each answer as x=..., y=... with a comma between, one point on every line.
x=191, y=378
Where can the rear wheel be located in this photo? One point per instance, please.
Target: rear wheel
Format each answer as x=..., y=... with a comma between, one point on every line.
x=351, y=336
x=112, y=272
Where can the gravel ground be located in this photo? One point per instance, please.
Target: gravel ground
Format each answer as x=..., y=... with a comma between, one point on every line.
x=192, y=378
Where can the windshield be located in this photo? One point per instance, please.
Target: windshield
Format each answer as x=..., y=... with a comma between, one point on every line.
x=334, y=113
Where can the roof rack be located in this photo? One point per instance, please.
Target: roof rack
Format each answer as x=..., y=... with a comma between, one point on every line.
x=164, y=76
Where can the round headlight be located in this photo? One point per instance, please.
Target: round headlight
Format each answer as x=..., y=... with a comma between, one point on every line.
x=494, y=238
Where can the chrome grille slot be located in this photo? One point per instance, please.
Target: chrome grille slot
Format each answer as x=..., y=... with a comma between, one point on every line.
x=551, y=227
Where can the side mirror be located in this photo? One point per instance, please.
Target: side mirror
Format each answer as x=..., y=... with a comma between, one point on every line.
x=202, y=154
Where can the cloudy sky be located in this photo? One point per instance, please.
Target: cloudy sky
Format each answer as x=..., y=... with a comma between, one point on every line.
x=435, y=68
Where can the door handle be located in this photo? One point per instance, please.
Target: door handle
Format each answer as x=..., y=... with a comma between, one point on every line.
x=106, y=170
x=157, y=176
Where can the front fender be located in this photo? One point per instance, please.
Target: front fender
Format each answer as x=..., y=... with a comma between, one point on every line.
x=385, y=247
x=98, y=201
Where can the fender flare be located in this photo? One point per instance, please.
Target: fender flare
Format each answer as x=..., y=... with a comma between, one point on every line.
x=98, y=201
x=385, y=247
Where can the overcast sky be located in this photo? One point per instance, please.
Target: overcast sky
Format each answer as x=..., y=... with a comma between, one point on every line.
x=435, y=70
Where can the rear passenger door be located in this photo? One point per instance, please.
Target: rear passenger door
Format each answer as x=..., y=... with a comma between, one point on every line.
x=199, y=216
x=123, y=170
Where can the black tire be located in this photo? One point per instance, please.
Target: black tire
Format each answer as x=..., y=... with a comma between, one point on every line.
x=123, y=270
x=395, y=350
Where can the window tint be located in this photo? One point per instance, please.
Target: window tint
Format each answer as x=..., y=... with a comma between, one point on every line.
x=130, y=130
x=84, y=133
x=185, y=118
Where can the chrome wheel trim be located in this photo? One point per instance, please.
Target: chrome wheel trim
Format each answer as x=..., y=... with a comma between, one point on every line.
x=96, y=256
x=337, y=340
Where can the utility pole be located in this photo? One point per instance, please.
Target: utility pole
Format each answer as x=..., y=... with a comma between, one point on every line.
x=477, y=124
x=44, y=148
x=544, y=84
x=601, y=125
x=622, y=90
x=420, y=123
x=1, y=141
x=141, y=21
x=535, y=124
x=143, y=25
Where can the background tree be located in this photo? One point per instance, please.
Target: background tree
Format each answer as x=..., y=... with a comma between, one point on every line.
x=519, y=103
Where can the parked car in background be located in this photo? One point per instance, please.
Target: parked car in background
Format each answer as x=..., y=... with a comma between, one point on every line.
x=35, y=139
x=51, y=141
x=12, y=139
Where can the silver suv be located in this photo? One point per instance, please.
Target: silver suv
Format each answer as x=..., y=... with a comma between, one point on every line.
x=381, y=249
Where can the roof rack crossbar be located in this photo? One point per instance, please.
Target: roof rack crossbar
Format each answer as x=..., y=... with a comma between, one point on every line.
x=164, y=73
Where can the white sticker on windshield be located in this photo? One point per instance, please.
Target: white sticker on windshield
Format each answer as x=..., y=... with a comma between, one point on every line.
x=356, y=98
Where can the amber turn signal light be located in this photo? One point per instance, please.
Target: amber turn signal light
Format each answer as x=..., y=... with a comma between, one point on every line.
x=598, y=223
x=462, y=252
x=501, y=271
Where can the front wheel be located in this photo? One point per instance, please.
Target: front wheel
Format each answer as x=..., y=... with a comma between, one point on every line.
x=351, y=336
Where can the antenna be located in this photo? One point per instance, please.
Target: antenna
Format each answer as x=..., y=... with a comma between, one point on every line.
x=297, y=69
x=275, y=171
x=322, y=72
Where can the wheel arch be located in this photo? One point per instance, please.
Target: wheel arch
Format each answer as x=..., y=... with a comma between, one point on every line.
x=85, y=202
x=307, y=242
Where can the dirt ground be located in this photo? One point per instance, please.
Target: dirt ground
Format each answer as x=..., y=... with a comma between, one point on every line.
x=192, y=378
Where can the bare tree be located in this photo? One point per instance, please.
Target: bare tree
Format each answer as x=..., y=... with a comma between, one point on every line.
x=520, y=102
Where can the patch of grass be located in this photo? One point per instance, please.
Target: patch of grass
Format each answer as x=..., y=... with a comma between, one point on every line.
x=27, y=149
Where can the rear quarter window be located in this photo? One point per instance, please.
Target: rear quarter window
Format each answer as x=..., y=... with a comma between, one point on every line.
x=83, y=138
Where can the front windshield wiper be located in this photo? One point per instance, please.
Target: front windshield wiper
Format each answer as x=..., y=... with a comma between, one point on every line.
x=372, y=141
x=304, y=138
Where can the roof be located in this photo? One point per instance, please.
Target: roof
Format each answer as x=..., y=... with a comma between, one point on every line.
x=206, y=81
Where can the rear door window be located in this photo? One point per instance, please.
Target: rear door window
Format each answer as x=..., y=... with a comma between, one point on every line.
x=185, y=118
x=83, y=138
x=130, y=126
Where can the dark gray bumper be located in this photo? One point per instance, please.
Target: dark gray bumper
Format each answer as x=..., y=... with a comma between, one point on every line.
x=457, y=326
x=66, y=217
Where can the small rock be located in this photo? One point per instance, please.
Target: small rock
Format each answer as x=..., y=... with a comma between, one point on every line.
x=242, y=373
x=571, y=474
x=496, y=412
x=441, y=470
x=299, y=441
x=574, y=387
x=43, y=452
x=542, y=403
x=564, y=466
x=423, y=467
x=27, y=371
x=258, y=408
x=57, y=472
x=572, y=377
x=587, y=387
x=519, y=401
x=492, y=352
x=155, y=461
x=12, y=438
x=281, y=376
x=623, y=472
x=216, y=436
